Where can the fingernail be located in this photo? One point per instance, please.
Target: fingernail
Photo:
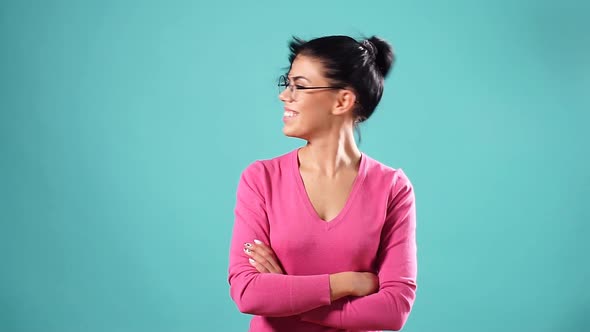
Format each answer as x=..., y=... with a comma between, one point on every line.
x=246, y=250
x=251, y=261
x=248, y=244
x=257, y=241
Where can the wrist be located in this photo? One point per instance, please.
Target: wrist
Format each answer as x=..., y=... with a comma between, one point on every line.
x=341, y=285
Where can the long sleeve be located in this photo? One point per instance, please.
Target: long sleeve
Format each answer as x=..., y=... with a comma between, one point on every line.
x=265, y=294
x=390, y=307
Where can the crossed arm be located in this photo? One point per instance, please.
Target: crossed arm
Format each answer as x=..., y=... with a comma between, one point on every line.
x=348, y=300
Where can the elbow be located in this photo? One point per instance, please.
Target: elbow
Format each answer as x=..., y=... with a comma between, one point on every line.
x=247, y=304
x=241, y=301
x=395, y=321
x=399, y=311
x=245, y=308
x=253, y=307
x=398, y=323
x=237, y=292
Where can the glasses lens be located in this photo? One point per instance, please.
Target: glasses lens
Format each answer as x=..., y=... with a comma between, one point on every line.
x=284, y=84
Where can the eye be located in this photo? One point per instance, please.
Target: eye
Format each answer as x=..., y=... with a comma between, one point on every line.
x=297, y=86
x=283, y=81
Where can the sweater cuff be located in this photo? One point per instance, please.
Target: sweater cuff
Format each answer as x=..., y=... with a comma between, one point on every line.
x=310, y=291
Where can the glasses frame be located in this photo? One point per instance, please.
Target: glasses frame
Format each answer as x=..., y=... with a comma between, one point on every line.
x=284, y=82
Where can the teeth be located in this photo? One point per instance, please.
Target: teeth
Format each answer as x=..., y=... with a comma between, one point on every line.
x=289, y=114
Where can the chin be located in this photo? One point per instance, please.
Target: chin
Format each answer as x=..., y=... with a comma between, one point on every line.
x=291, y=133
x=288, y=133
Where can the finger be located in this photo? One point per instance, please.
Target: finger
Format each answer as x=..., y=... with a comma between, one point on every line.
x=262, y=249
x=259, y=246
x=266, y=252
x=260, y=268
x=265, y=255
x=261, y=260
x=260, y=243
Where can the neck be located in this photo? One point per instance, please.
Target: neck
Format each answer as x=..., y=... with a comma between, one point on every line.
x=331, y=154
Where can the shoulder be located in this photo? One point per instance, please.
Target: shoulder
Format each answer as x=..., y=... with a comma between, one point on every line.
x=264, y=169
x=384, y=173
x=392, y=180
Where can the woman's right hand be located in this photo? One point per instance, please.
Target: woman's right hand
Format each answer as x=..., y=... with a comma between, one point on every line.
x=352, y=283
x=364, y=283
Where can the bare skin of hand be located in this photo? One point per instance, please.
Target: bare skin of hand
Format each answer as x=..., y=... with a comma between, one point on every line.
x=262, y=257
x=342, y=284
x=364, y=283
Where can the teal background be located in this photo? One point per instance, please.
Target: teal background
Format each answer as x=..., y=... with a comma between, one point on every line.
x=124, y=126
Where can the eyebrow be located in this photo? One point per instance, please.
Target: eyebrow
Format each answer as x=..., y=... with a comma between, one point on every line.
x=300, y=77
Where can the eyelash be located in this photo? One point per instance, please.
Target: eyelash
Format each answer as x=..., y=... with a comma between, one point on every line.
x=297, y=86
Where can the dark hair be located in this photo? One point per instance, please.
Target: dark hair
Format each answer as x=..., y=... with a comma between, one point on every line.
x=361, y=65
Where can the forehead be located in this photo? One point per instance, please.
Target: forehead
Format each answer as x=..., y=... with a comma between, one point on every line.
x=306, y=66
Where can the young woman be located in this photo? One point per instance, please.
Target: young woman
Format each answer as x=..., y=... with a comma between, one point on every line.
x=324, y=236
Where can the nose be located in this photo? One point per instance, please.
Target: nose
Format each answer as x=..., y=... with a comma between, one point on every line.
x=285, y=96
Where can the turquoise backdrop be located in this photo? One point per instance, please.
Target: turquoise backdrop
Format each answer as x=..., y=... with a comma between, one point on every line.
x=124, y=126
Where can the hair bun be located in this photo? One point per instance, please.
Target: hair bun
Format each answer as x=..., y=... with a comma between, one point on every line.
x=382, y=52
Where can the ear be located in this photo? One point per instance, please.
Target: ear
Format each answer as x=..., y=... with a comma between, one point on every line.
x=344, y=102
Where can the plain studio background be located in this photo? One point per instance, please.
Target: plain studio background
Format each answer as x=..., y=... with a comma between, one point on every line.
x=124, y=127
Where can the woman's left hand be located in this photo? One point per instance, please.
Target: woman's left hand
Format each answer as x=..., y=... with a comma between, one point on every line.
x=262, y=257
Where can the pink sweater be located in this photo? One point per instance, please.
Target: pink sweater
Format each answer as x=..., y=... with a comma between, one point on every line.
x=375, y=231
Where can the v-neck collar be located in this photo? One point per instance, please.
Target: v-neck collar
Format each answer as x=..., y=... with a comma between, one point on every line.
x=302, y=192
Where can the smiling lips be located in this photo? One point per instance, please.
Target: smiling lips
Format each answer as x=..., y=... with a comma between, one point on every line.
x=289, y=114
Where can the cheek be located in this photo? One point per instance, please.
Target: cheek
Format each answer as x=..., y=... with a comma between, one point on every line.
x=316, y=109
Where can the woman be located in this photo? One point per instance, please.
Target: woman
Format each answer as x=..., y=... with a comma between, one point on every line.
x=324, y=235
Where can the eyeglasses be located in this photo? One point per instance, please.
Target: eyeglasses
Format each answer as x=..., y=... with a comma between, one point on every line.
x=284, y=84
